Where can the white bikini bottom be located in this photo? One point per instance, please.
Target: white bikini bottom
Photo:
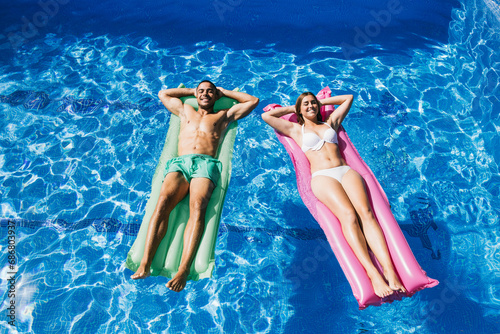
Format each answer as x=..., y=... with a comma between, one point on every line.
x=336, y=172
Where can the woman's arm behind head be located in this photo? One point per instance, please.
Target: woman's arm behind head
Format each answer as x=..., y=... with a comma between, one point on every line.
x=273, y=119
x=344, y=103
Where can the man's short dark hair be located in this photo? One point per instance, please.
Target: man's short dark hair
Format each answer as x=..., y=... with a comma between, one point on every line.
x=210, y=82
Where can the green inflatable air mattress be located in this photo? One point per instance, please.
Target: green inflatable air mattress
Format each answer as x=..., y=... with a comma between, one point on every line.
x=167, y=259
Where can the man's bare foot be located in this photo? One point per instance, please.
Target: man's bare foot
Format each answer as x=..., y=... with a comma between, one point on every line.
x=380, y=287
x=394, y=282
x=178, y=282
x=141, y=273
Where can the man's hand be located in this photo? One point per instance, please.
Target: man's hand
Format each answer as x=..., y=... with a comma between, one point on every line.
x=220, y=92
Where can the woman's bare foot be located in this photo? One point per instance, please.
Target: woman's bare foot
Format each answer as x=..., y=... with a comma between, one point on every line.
x=394, y=282
x=178, y=282
x=141, y=273
x=380, y=286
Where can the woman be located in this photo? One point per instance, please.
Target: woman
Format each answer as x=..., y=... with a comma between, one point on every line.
x=336, y=185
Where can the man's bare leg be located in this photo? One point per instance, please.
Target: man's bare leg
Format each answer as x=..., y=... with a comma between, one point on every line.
x=200, y=192
x=173, y=190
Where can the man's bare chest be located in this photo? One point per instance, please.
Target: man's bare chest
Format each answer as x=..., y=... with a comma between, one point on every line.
x=210, y=124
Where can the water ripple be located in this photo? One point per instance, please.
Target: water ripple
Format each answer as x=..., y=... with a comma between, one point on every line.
x=82, y=130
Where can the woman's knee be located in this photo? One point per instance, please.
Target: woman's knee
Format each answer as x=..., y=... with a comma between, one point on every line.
x=366, y=214
x=348, y=218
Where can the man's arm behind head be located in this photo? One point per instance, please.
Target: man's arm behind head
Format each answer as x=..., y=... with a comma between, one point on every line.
x=246, y=104
x=171, y=99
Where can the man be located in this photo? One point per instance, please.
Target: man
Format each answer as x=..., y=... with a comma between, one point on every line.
x=199, y=136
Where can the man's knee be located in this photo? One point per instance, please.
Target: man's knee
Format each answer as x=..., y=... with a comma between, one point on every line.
x=166, y=203
x=162, y=203
x=198, y=204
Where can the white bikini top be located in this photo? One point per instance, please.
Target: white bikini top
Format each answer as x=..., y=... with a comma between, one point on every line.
x=311, y=141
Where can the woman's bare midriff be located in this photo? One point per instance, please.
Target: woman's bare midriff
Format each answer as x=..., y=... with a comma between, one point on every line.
x=327, y=157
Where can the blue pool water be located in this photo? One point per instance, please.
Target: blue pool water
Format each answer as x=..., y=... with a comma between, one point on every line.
x=82, y=129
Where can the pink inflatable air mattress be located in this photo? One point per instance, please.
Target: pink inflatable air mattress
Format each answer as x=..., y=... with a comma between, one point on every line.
x=407, y=267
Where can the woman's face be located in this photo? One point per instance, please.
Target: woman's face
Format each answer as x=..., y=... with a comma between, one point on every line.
x=309, y=107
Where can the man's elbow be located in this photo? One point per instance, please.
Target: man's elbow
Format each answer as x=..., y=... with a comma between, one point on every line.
x=163, y=96
x=255, y=102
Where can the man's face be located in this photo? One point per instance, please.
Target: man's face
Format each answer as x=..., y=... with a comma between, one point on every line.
x=206, y=95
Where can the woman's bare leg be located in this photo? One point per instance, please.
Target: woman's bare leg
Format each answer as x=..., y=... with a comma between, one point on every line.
x=355, y=189
x=173, y=190
x=330, y=192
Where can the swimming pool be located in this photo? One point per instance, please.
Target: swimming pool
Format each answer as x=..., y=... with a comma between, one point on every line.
x=82, y=130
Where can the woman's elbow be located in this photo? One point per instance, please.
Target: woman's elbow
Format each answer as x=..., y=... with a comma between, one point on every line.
x=265, y=117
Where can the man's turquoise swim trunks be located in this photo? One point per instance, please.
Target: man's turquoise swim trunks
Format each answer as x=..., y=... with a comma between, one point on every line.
x=195, y=165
